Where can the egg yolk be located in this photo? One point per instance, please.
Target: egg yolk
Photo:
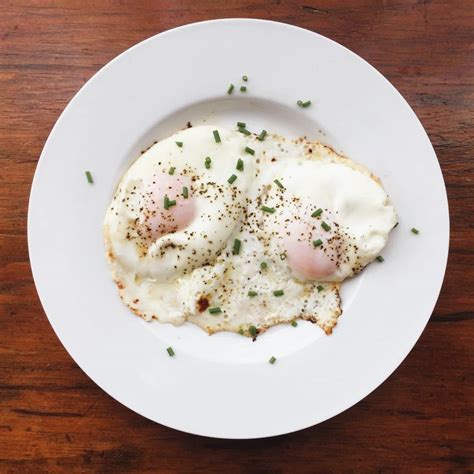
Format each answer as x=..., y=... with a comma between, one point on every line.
x=305, y=259
x=160, y=218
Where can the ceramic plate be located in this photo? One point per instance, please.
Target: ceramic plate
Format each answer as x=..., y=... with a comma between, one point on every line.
x=223, y=385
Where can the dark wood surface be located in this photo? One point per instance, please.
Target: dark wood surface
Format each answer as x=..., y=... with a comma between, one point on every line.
x=52, y=417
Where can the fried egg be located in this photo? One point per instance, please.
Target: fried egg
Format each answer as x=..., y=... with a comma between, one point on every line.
x=231, y=232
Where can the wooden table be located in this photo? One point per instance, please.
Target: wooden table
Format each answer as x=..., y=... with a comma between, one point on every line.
x=52, y=417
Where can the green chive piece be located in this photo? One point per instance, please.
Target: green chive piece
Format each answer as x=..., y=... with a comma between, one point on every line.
x=185, y=192
x=180, y=144
x=217, y=137
x=89, y=177
x=272, y=360
x=232, y=179
x=415, y=230
x=236, y=249
x=215, y=310
x=245, y=78
x=241, y=124
x=170, y=351
x=270, y=210
x=249, y=150
x=261, y=137
x=317, y=213
x=252, y=331
x=294, y=323
x=252, y=293
x=304, y=104
x=317, y=243
x=243, y=89
x=320, y=288
x=230, y=89
x=325, y=226
x=171, y=170
x=244, y=131
x=380, y=259
x=263, y=265
x=278, y=293
x=241, y=331
x=207, y=162
x=240, y=165
x=168, y=203
x=278, y=183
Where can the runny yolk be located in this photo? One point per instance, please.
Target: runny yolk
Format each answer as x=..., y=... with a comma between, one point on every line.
x=305, y=260
x=160, y=221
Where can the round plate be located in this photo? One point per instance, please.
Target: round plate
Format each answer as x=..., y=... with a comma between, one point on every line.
x=223, y=385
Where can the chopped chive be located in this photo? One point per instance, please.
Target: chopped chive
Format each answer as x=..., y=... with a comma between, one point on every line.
x=168, y=203
x=170, y=351
x=320, y=288
x=215, y=310
x=294, y=323
x=252, y=331
x=236, y=249
x=241, y=331
x=270, y=210
x=304, y=104
x=171, y=170
x=325, y=226
x=89, y=177
x=207, y=162
x=241, y=124
x=230, y=89
x=317, y=243
x=278, y=183
x=415, y=230
x=232, y=179
x=217, y=137
x=261, y=137
x=379, y=259
x=272, y=360
x=317, y=213
x=185, y=192
x=263, y=265
x=244, y=131
x=243, y=89
x=249, y=150
x=180, y=144
x=278, y=293
x=240, y=165
x=252, y=293
x=245, y=78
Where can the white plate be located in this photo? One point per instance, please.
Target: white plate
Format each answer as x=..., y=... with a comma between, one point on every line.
x=223, y=386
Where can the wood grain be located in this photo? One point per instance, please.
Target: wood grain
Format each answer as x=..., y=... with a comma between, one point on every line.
x=53, y=418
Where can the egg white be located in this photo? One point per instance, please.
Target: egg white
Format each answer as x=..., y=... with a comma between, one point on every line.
x=183, y=274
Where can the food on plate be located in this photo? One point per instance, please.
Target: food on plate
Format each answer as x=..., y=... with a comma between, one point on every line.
x=239, y=232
